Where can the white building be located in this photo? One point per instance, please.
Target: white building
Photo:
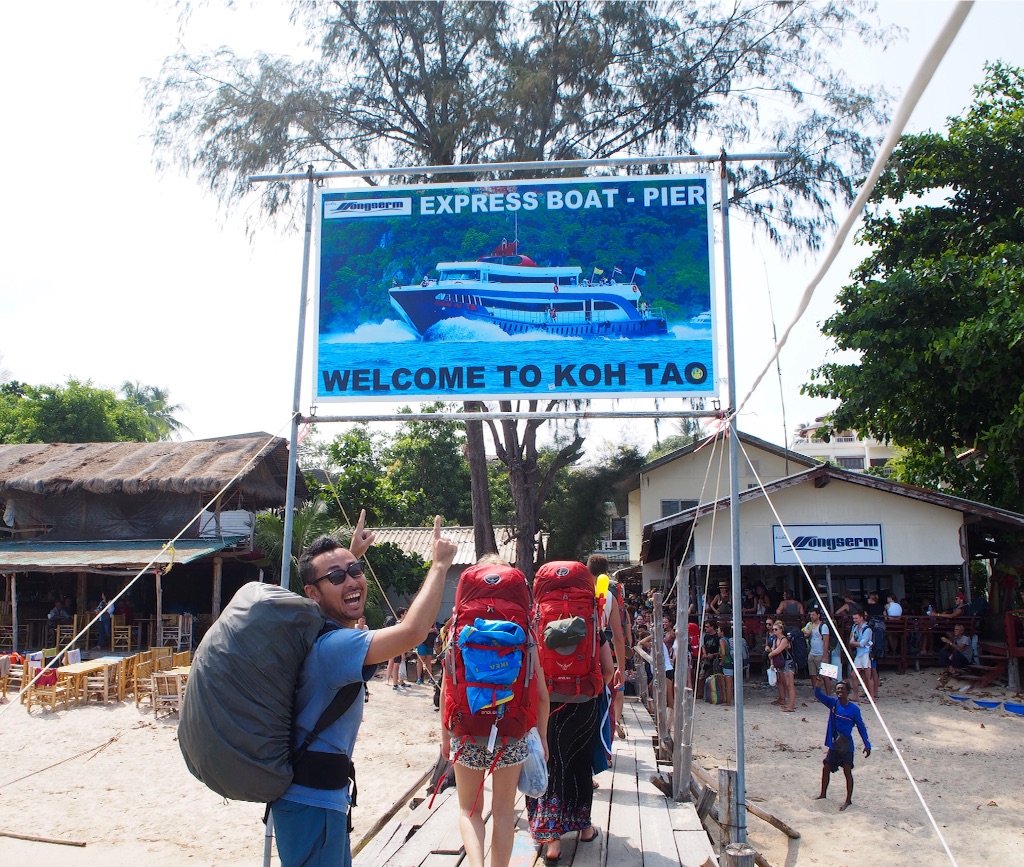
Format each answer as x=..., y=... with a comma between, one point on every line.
x=848, y=449
x=855, y=532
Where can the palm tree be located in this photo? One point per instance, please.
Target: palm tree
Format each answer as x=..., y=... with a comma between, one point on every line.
x=160, y=412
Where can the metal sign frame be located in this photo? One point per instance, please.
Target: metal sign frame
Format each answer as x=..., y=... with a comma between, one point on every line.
x=721, y=158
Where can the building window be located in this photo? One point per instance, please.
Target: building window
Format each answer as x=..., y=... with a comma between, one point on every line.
x=851, y=463
x=671, y=507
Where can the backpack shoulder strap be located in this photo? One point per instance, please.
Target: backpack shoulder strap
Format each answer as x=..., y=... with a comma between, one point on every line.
x=342, y=701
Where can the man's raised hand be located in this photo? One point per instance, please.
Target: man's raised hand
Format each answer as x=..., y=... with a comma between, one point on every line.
x=362, y=538
x=444, y=549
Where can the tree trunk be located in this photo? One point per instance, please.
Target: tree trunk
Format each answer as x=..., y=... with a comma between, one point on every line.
x=476, y=455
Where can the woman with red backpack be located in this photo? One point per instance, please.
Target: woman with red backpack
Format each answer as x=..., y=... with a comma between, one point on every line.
x=492, y=695
x=576, y=668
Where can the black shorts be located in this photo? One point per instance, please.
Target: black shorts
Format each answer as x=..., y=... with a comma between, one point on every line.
x=835, y=760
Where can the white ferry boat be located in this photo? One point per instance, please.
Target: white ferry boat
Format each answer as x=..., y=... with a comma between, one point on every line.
x=517, y=295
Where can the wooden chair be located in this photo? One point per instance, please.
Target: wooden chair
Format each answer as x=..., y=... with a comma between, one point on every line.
x=5, y=674
x=185, y=632
x=170, y=630
x=120, y=635
x=166, y=693
x=33, y=665
x=72, y=657
x=183, y=658
x=50, y=689
x=103, y=685
x=127, y=674
x=15, y=676
x=143, y=681
x=65, y=632
x=162, y=658
x=6, y=636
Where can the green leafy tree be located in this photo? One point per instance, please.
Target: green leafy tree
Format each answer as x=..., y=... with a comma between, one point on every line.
x=576, y=512
x=77, y=412
x=159, y=410
x=418, y=83
x=425, y=459
x=936, y=311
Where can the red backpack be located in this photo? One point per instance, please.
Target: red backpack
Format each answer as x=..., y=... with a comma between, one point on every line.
x=564, y=590
x=493, y=593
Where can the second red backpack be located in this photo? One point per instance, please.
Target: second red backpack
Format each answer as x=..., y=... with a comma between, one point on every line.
x=564, y=602
x=489, y=593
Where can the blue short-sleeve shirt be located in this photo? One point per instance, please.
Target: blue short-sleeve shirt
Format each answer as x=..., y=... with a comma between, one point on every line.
x=336, y=660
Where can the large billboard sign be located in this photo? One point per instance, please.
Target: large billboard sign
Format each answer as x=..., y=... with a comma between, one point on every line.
x=568, y=288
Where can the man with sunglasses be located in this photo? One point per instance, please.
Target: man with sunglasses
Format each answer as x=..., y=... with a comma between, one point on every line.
x=311, y=823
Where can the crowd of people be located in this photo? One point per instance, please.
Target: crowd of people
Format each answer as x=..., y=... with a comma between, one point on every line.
x=538, y=715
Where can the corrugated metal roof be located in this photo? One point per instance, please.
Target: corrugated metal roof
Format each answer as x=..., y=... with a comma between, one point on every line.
x=420, y=540
x=39, y=556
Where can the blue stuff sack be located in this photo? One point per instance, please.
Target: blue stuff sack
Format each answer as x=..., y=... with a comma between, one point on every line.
x=492, y=654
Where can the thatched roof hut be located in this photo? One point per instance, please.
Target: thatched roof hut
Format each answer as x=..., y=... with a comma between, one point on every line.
x=257, y=462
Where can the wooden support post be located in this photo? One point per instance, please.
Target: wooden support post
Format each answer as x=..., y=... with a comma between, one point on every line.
x=658, y=656
x=81, y=594
x=1013, y=674
x=218, y=568
x=728, y=806
x=159, y=610
x=643, y=688
x=682, y=749
x=738, y=855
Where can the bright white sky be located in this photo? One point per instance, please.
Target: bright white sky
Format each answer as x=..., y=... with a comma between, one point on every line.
x=111, y=272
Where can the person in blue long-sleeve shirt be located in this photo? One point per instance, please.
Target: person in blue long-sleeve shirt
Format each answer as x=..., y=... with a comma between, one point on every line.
x=843, y=716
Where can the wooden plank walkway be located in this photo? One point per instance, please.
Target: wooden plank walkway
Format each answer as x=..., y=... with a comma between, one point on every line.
x=639, y=826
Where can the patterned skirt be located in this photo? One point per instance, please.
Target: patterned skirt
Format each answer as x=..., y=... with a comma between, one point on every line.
x=566, y=805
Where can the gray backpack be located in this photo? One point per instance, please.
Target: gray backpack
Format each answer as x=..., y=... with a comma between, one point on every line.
x=236, y=719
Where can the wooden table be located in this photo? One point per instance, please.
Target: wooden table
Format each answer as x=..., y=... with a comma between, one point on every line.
x=181, y=672
x=77, y=673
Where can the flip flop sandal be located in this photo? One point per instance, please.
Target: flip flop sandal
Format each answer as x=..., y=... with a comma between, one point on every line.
x=597, y=833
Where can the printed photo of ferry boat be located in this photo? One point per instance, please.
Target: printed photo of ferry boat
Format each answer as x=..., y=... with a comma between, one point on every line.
x=519, y=296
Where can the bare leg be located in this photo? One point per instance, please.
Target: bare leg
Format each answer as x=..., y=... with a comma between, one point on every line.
x=728, y=688
x=467, y=784
x=824, y=782
x=849, y=787
x=790, y=681
x=503, y=826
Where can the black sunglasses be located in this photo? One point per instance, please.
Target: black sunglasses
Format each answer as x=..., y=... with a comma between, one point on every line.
x=339, y=573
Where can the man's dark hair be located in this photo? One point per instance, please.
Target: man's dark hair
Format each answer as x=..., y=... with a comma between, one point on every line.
x=597, y=564
x=320, y=545
x=845, y=683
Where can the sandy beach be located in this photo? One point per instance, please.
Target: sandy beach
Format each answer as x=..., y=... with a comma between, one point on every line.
x=968, y=763
x=113, y=778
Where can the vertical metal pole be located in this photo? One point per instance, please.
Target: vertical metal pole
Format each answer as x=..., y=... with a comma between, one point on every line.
x=293, y=441
x=734, y=513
